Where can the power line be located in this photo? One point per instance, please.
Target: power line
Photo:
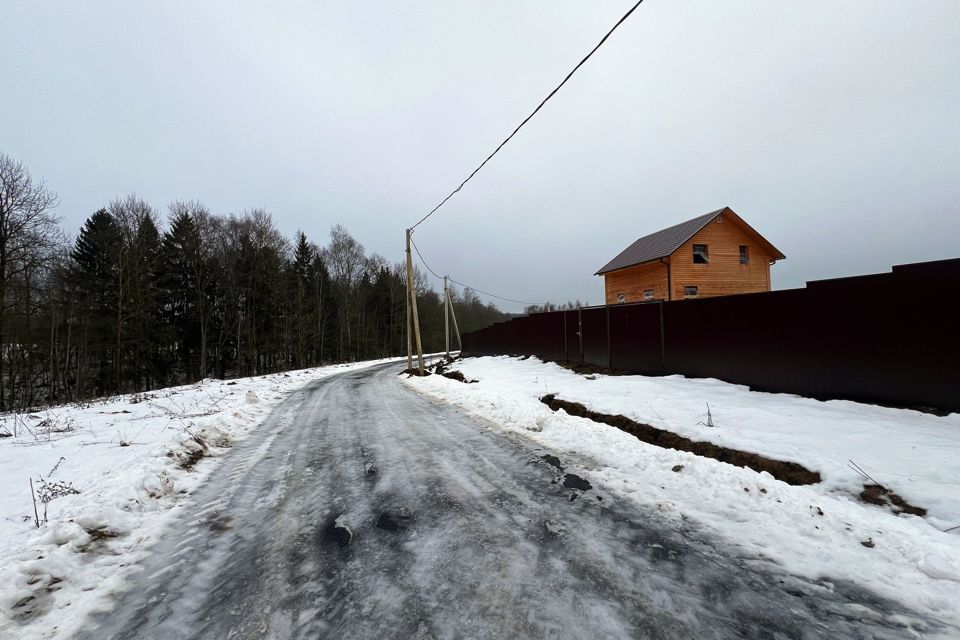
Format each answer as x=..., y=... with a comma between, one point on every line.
x=533, y=113
x=417, y=249
x=465, y=286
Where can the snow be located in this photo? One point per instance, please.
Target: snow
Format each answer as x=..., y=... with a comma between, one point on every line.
x=939, y=568
x=134, y=459
x=815, y=531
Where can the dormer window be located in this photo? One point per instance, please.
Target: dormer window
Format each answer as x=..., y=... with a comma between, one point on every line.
x=700, y=254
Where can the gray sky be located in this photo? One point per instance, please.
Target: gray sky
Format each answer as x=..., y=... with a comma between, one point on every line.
x=832, y=127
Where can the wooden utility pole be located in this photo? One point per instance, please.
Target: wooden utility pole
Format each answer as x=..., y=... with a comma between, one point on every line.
x=446, y=315
x=406, y=295
x=412, y=301
x=455, y=327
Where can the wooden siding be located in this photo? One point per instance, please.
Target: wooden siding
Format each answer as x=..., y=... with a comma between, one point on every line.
x=633, y=281
x=723, y=275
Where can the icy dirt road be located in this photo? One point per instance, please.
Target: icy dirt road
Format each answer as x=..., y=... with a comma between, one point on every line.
x=361, y=510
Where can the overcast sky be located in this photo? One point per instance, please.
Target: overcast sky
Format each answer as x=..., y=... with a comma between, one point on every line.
x=832, y=127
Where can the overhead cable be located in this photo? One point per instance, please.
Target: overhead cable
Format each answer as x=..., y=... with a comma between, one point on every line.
x=533, y=113
x=465, y=286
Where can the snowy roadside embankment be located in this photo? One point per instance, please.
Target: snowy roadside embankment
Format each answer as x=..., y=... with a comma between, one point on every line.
x=132, y=460
x=815, y=530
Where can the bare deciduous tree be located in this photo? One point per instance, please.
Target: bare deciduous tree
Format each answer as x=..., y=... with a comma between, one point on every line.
x=29, y=237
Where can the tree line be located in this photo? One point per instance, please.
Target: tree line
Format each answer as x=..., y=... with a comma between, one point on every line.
x=547, y=307
x=132, y=304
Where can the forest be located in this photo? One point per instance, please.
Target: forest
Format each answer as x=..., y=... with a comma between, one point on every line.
x=136, y=302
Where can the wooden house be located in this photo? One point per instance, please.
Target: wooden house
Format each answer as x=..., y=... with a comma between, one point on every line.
x=716, y=254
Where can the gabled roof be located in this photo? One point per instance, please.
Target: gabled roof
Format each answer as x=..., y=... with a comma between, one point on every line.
x=663, y=243
x=660, y=244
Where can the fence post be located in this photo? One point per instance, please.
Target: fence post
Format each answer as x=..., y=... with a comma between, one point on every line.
x=566, y=352
x=609, y=342
x=580, y=334
x=663, y=343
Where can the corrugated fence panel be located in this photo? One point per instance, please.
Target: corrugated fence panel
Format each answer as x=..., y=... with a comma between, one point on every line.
x=547, y=336
x=572, y=336
x=927, y=335
x=635, y=338
x=593, y=326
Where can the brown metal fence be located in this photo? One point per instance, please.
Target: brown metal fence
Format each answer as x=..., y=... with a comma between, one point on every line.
x=892, y=338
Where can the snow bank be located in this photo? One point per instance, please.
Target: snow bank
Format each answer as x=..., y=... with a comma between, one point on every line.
x=817, y=530
x=133, y=459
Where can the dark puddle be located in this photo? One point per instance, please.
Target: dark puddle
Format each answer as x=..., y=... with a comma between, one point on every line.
x=553, y=461
x=393, y=522
x=789, y=472
x=573, y=481
x=335, y=533
x=569, y=480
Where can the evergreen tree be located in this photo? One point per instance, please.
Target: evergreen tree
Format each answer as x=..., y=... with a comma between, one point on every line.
x=186, y=286
x=142, y=303
x=96, y=278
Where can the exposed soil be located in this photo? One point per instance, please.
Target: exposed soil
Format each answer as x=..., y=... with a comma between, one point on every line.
x=414, y=371
x=99, y=539
x=456, y=375
x=588, y=369
x=441, y=368
x=98, y=534
x=789, y=472
x=189, y=461
x=883, y=497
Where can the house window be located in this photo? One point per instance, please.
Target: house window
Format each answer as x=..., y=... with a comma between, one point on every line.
x=621, y=298
x=648, y=294
x=700, y=254
x=691, y=291
x=744, y=254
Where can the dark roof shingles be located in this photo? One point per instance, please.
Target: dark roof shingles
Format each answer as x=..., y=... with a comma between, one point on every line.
x=660, y=244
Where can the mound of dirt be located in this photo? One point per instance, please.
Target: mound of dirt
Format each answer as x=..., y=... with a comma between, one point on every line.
x=883, y=497
x=789, y=472
x=441, y=368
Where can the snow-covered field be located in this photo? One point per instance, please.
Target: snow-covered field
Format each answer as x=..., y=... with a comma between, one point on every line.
x=819, y=530
x=130, y=459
